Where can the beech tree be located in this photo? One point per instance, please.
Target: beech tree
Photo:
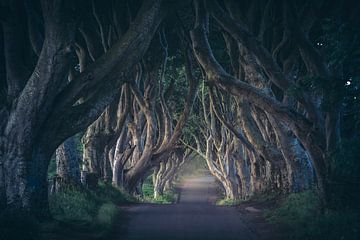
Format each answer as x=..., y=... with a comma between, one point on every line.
x=42, y=108
x=317, y=129
x=276, y=88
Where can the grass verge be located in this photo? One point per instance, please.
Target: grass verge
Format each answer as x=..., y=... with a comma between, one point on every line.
x=299, y=212
x=77, y=213
x=81, y=213
x=228, y=202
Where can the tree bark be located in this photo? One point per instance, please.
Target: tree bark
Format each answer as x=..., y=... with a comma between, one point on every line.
x=67, y=162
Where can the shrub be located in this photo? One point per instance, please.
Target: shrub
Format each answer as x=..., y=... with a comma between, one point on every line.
x=148, y=189
x=73, y=204
x=228, y=202
x=108, y=193
x=295, y=208
x=81, y=204
x=299, y=212
x=106, y=214
x=168, y=197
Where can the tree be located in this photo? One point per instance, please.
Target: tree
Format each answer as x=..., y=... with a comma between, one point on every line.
x=42, y=108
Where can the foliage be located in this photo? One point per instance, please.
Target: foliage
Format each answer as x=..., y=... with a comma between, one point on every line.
x=228, y=202
x=340, y=49
x=295, y=207
x=300, y=213
x=344, y=176
x=92, y=206
x=108, y=193
x=148, y=188
x=106, y=214
x=73, y=204
x=168, y=197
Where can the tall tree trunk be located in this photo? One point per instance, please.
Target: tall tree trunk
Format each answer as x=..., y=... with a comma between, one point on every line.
x=67, y=162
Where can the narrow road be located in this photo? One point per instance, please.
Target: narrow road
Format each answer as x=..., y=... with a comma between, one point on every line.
x=194, y=217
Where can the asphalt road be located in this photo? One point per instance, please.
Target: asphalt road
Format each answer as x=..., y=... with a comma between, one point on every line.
x=193, y=218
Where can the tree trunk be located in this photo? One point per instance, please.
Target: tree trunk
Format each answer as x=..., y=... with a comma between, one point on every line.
x=67, y=162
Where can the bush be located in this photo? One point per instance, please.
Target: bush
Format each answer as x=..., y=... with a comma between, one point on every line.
x=228, y=202
x=300, y=213
x=108, y=193
x=168, y=197
x=81, y=204
x=106, y=214
x=295, y=208
x=73, y=204
x=148, y=189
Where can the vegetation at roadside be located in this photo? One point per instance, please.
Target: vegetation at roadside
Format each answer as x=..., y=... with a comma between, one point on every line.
x=91, y=212
x=301, y=214
x=340, y=218
x=228, y=202
x=81, y=204
x=77, y=212
x=169, y=196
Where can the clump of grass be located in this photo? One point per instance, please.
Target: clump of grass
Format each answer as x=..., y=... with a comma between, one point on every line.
x=300, y=213
x=108, y=193
x=73, y=204
x=228, y=202
x=106, y=214
x=168, y=197
x=96, y=208
x=295, y=207
x=148, y=189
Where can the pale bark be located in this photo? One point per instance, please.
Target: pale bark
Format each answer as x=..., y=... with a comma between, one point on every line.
x=299, y=125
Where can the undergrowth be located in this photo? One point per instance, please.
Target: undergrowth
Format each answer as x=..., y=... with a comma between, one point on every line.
x=77, y=213
x=81, y=204
x=168, y=197
x=228, y=202
x=300, y=213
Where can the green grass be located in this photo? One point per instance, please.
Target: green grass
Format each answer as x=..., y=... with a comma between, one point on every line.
x=106, y=214
x=83, y=212
x=80, y=204
x=228, y=202
x=108, y=193
x=300, y=213
x=78, y=213
x=73, y=204
x=168, y=197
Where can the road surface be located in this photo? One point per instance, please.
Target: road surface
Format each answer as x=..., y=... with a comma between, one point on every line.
x=193, y=218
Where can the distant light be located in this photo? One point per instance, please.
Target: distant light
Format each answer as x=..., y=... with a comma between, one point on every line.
x=354, y=97
x=347, y=83
x=319, y=44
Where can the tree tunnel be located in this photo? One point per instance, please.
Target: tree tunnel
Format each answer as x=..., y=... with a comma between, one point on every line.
x=120, y=91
